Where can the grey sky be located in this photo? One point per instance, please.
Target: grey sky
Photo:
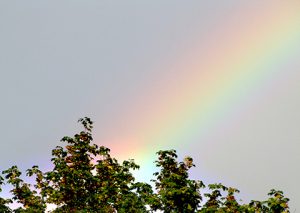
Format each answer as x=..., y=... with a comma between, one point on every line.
x=61, y=60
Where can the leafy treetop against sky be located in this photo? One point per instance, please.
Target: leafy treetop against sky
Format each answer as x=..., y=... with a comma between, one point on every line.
x=216, y=80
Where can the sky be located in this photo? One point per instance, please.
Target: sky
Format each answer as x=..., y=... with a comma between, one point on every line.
x=215, y=80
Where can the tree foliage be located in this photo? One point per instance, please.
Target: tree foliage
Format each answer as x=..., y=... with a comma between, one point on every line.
x=86, y=178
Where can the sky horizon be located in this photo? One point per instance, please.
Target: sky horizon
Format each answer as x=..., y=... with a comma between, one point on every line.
x=215, y=80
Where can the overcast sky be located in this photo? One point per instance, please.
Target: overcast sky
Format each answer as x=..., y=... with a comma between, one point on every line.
x=117, y=61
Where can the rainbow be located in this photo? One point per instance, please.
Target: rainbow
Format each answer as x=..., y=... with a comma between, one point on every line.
x=216, y=78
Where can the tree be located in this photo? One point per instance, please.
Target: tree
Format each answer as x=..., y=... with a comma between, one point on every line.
x=175, y=192
x=86, y=178
x=3, y=202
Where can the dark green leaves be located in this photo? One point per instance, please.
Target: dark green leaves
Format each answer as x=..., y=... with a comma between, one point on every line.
x=86, y=178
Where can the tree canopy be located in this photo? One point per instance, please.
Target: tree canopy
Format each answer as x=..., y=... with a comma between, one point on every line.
x=86, y=178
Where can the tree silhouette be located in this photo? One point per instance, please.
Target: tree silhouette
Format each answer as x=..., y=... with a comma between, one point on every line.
x=86, y=178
